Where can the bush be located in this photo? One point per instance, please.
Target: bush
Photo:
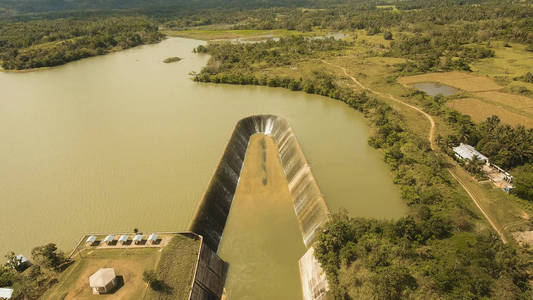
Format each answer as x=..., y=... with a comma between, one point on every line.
x=523, y=182
x=156, y=284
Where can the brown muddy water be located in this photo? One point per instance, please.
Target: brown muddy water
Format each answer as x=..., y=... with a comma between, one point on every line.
x=120, y=141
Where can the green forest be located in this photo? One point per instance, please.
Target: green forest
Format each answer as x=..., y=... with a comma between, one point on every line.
x=47, y=43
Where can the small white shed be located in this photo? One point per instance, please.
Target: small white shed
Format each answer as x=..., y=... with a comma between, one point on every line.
x=109, y=239
x=152, y=238
x=91, y=240
x=123, y=238
x=138, y=239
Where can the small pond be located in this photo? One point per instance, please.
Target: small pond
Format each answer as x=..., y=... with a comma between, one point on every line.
x=435, y=88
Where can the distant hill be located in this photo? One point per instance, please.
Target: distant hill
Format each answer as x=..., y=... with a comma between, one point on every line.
x=21, y=7
x=15, y=7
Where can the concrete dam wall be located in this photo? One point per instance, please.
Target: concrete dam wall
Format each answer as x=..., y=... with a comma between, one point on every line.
x=309, y=206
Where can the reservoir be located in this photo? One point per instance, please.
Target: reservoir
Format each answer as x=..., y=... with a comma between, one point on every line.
x=125, y=141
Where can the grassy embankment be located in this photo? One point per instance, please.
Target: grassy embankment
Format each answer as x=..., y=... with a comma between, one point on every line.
x=176, y=268
x=174, y=264
x=221, y=33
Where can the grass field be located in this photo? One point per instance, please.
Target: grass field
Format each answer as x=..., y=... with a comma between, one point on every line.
x=509, y=101
x=504, y=209
x=128, y=263
x=480, y=110
x=510, y=61
x=486, y=99
x=247, y=34
x=174, y=264
x=176, y=268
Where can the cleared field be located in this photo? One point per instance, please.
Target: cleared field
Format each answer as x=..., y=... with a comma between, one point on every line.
x=250, y=34
x=463, y=81
x=480, y=111
x=518, y=102
x=510, y=61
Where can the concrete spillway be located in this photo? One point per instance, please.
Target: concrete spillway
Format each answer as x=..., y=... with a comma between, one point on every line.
x=309, y=206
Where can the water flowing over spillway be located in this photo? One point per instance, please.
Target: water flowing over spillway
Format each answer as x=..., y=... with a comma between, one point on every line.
x=309, y=205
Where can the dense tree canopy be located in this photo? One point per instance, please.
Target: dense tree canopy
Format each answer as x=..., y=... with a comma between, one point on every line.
x=506, y=146
x=54, y=42
x=523, y=183
x=48, y=256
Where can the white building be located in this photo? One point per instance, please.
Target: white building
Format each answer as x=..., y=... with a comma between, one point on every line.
x=6, y=293
x=467, y=152
x=103, y=281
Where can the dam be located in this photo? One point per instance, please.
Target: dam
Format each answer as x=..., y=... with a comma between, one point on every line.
x=309, y=205
x=263, y=168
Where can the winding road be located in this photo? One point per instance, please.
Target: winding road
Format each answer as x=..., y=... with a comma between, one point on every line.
x=431, y=142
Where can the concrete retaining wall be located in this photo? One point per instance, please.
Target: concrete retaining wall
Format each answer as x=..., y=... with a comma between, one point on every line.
x=209, y=276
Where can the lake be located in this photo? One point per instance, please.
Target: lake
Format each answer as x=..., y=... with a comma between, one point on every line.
x=125, y=141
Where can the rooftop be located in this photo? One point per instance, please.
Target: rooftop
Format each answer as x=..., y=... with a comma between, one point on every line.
x=91, y=239
x=22, y=258
x=102, y=277
x=467, y=152
x=6, y=293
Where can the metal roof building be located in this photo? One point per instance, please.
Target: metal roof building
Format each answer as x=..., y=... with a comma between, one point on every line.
x=465, y=151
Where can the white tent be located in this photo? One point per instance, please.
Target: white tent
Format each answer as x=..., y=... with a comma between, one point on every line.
x=91, y=239
x=109, y=239
x=138, y=238
x=123, y=238
x=152, y=238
